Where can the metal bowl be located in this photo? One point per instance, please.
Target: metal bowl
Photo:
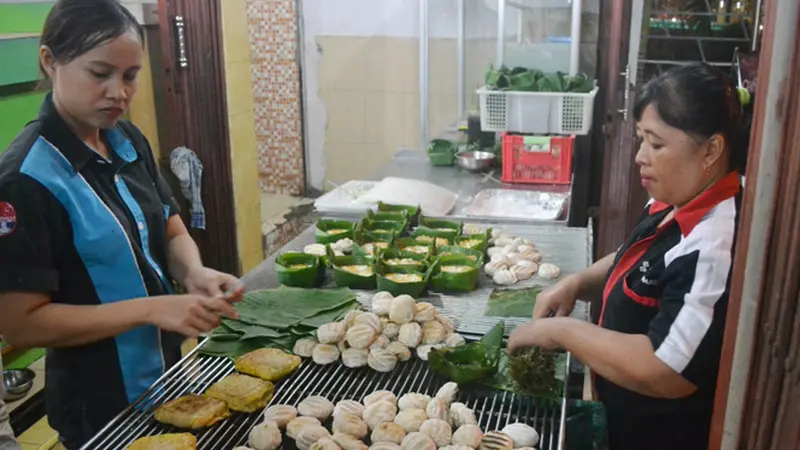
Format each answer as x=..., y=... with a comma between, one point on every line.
x=17, y=383
x=475, y=161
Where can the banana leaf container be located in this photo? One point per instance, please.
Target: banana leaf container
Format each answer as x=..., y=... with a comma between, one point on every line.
x=460, y=274
x=345, y=278
x=388, y=216
x=411, y=244
x=415, y=288
x=383, y=226
x=438, y=237
x=441, y=225
x=442, y=152
x=378, y=241
x=479, y=242
x=299, y=270
x=330, y=231
x=412, y=211
x=445, y=250
x=387, y=257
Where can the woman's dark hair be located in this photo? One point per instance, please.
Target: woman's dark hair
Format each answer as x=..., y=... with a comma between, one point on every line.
x=74, y=27
x=701, y=101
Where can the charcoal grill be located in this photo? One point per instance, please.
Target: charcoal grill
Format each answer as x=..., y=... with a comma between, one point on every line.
x=195, y=373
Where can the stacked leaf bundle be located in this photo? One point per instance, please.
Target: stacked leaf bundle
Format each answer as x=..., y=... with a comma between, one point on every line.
x=522, y=79
x=277, y=318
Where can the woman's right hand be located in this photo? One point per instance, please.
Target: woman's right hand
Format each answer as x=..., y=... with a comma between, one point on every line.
x=190, y=314
x=559, y=299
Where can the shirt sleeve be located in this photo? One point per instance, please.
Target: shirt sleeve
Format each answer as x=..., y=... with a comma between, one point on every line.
x=26, y=258
x=688, y=330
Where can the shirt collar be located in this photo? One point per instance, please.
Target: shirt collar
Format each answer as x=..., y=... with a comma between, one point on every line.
x=693, y=212
x=56, y=131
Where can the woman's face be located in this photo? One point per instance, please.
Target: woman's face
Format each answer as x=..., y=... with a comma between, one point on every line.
x=673, y=165
x=96, y=88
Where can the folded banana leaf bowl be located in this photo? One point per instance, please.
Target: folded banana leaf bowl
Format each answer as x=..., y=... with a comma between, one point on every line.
x=355, y=271
x=300, y=270
x=399, y=280
x=330, y=231
x=455, y=273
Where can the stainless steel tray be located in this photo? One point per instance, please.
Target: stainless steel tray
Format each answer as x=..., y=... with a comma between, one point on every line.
x=517, y=204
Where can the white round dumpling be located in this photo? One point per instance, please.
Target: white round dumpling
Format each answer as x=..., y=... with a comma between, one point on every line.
x=455, y=447
x=461, y=415
x=418, y=441
x=280, y=414
x=370, y=319
x=342, y=345
x=379, y=412
x=309, y=435
x=503, y=241
x=316, y=406
x=350, y=317
x=549, y=271
x=530, y=256
x=347, y=442
x=388, y=432
x=522, y=272
x=411, y=419
x=355, y=357
x=448, y=324
x=495, y=440
x=314, y=249
x=380, y=396
x=526, y=248
x=424, y=312
x=423, y=351
x=385, y=446
x=295, y=425
x=349, y=424
x=325, y=444
x=493, y=266
x=331, y=333
x=433, y=332
x=400, y=351
x=390, y=329
x=265, y=436
x=382, y=303
x=325, y=354
x=469, y=435
x=242, y=447
x=381, y=342
x=532, y=265
x=381, y=360
x=410, y=334
x=504, y=277
x=523, y=435
x=514, y=257
x=304, y=348
x=403, y=309
x=350, y=407
x=492, y=251
x=413, y=400
x=343, y=245
x=454, y=340
x=448, y=392
x=437, y=409
x=361, y=336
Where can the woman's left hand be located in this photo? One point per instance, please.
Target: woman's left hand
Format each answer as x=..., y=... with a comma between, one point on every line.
x=212, y=283
x=539, y=333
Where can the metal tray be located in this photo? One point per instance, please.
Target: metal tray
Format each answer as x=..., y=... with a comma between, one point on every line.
x=342, y=199
x=517, y=204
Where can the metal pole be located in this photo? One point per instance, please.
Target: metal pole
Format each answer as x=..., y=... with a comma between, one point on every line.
x=423, y=74
x=575, y=38
x=756, y=24
x=461, y=58
x=501, y=31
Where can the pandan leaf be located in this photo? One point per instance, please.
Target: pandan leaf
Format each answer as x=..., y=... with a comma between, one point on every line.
x=299, y=270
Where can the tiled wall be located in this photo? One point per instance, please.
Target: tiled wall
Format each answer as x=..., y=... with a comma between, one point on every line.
x=276, y=93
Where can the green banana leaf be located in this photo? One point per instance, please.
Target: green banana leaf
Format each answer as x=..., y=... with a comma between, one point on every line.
x=406, y=243
x=469, y=241
x=388, y=216
x=383, y=226
x=322, y=236
x=344, y=278
x=312, y=274
x=442, y=146
x=512, y=302
x=446, y=250
x=438, y=238
x=472, y=363
x=362, y=236
x=413, y=211
x=415, y=289
x=441, y=225
x=368, y=243
x=455, y=281
x=420, y=261
x=533, y=372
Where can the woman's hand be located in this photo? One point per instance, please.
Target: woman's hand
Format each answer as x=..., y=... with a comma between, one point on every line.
x=212, y=283
x=189, y=315
x=558, y=300
x=538, y=333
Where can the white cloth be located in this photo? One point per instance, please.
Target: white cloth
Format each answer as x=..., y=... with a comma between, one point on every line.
x=187, y=167
x=7, y=441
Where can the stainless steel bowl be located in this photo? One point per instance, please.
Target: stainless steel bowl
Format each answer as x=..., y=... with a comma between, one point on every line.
x=475, y=161
x=17, y=383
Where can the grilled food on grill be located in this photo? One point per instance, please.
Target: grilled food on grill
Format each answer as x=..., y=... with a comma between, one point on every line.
x=192, y=412
x=269, y=364
x=173, y=441
x=242, y=392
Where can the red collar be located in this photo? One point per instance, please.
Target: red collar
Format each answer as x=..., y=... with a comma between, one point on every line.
x=693, y=212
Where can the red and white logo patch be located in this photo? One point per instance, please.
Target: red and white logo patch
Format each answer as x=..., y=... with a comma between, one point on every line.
x=8, y=219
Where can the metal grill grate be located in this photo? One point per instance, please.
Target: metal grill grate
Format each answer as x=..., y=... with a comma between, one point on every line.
x=336, y=382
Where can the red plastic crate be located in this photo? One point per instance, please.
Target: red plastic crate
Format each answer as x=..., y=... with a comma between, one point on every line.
x=537, y=159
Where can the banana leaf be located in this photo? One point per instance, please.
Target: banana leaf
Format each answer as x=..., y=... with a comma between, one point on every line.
x=441, y=225
x=344, y=278
x=383, y=226
x=368, y=243
x=311, y=274
x=362, y=236
x=414, y=288
x=388, y=216
x=413, y=211
x=420, y=261
x=322, y=235
x=479, y=242
x=472, y=363
x=456, y=250
x=406, y=243
x=512, y=302
x=532, y=371
x=455, y=281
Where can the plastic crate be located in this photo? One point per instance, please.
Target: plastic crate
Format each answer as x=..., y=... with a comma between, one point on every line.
x=537, y=159
x=563, y=113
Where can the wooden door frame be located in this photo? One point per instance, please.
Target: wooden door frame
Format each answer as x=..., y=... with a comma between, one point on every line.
x=196, y=117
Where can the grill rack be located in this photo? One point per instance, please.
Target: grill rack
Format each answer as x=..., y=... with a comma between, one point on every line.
x=195, y=373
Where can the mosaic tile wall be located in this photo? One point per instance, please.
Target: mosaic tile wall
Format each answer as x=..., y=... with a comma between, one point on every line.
x=276, y=94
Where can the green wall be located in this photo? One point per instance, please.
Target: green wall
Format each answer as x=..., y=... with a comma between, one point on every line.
x=15, y=112
x=23, y=17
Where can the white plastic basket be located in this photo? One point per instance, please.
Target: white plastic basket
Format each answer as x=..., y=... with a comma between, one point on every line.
x=565, y=113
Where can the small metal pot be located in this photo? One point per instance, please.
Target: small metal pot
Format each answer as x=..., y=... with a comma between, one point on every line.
x=475, y=161
x=17, y=383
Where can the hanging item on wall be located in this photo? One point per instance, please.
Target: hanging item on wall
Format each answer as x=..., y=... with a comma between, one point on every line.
x=187, y=167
